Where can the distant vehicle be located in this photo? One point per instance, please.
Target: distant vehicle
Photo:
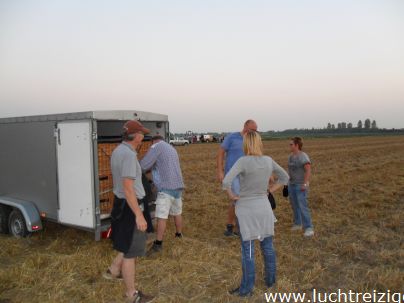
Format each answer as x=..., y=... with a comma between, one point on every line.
x=179, y=141
x=208, y=138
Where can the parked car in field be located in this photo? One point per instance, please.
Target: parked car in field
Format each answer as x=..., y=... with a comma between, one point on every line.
x=179, y=141
x=208, y=138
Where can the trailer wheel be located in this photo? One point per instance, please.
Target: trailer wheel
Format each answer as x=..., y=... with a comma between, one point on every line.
x=17, y=225
x=4, y=212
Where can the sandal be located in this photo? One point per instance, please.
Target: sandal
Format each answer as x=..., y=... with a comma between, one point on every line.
x=109, y=276
x=140, y=297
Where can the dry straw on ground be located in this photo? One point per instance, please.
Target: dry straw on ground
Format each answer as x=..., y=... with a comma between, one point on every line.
x=357, y=197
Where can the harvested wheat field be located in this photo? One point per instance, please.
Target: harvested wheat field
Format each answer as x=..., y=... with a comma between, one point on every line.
x=357, y=199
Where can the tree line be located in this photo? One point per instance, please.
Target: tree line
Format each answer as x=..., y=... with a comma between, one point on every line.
x=365, y=128
x=362, y=128
x=343, y=125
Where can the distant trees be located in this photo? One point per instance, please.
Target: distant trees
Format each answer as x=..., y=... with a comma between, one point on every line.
x=341, y=125
x=374, y=125
x=344, y=126
x=366, y=128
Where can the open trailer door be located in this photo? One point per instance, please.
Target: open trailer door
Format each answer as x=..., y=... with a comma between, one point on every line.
x=75, y=174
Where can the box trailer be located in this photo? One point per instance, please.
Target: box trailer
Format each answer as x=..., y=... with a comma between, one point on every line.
x=57, y=168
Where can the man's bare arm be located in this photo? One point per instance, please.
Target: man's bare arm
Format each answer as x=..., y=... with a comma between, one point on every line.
x=220, y=164
x=307, y=174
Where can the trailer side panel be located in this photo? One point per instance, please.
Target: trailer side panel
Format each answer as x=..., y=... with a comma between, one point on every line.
x=28, y=164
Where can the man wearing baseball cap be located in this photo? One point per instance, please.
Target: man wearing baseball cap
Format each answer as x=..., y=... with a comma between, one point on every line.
x=127, y=221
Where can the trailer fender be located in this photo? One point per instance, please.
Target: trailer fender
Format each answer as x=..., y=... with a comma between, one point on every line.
x=28, y=210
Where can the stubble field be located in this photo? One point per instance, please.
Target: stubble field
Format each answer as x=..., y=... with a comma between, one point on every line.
x=356, y=197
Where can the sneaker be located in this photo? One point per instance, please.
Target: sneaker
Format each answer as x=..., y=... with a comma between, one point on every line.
x=229, y=230
x=296, y=227
x=309, y=232
x=236, y=292
x=178, y=235
x=230, y=233
x=140, y=297
x=155, y=249
x=270, y=284
x=109, y=276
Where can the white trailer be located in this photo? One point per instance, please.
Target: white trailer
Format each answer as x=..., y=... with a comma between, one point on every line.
x=56, y=168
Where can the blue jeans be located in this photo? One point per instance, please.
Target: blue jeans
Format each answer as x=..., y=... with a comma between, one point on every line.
x=300, y=207
x=248, y=265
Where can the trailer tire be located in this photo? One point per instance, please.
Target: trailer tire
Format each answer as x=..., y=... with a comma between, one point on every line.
x=17, y=225
x=4, y=213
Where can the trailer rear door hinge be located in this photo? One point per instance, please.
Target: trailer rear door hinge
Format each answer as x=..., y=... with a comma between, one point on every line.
x=56, y=134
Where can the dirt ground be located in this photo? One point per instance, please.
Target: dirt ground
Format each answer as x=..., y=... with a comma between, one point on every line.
x=356, y=197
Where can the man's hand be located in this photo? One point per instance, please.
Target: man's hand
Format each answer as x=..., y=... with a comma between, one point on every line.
x=220, y=176
x=303, y=187
x=232, y=196
x=141, y=223
x=274, y=187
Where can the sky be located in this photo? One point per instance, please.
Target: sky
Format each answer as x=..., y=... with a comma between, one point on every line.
x=209, y=65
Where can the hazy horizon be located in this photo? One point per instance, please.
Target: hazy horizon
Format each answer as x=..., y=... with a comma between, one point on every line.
x=208, y=65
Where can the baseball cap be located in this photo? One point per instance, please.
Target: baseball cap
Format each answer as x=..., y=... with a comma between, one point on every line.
x=133, y=126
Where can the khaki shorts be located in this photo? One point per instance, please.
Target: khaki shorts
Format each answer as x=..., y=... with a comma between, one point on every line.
x=167, y=205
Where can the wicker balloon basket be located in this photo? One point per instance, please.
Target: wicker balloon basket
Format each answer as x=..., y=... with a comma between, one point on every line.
x=105, y=176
